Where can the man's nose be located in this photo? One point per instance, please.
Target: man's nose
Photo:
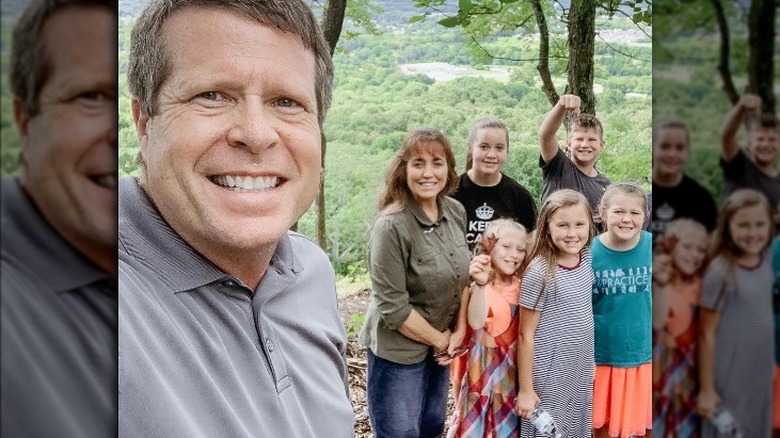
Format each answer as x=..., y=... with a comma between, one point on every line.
x=252, y=126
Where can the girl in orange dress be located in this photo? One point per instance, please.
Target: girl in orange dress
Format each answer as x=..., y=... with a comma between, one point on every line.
x=488, y=387
x=682, y=251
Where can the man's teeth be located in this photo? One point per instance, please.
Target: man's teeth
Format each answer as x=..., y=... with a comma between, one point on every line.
x=242, y=183
x=108, y=181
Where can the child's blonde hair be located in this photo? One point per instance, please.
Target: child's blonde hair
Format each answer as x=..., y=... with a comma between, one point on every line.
x=678, y=228
x=491, y=236
x=622, y=188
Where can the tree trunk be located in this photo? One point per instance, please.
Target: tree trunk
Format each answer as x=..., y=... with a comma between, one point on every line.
x=761, y=44
x=332, y=23
x=582, y=36
x=544, y=53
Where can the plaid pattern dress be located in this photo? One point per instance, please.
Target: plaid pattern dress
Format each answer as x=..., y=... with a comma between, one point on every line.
x=484, y=404
x=675, y=374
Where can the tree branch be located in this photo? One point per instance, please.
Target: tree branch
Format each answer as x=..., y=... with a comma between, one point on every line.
x=543, y=66
x=615, y=49
x=504, y=58
x=635, y=23
x=725, y=49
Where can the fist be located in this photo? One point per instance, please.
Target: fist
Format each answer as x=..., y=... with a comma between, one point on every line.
x=479, y=269
x=750, y=102
x=570, y=102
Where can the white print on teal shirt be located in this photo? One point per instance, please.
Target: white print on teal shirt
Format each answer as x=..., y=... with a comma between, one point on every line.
x=615, y=281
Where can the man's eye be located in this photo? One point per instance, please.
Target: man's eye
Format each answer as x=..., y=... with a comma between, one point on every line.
x=286, y=103
x=91, y=95
x=210, y=95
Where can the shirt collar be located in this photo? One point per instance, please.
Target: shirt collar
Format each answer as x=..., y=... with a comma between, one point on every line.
x=420, y=215
x=29, y=240
x=145, y=236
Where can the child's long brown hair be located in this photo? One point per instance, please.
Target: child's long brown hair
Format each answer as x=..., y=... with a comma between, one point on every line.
x=544, y=247
x=723, y=242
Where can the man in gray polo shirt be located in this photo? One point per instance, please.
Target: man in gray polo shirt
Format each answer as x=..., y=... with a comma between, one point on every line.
x=228, y=322
x=58, y=300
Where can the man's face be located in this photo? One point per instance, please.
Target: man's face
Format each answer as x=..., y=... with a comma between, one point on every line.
x=585, y=145
x=765, y=145
x=233, y=154
x=69, y=149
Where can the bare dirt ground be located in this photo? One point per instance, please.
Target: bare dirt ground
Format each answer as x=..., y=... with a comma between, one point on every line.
x=350, y=304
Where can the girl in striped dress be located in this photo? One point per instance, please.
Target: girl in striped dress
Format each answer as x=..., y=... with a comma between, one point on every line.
x=622, y=315
x=675, y=376
x=485, y=404
x=736, y=324
x=555, y=344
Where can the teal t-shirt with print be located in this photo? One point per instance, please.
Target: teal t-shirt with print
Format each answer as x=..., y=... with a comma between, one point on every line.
x=622, y=303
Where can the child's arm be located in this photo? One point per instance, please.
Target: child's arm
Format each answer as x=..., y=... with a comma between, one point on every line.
x=548, y=144
x=708, y=398
x=728, y=131
x=477, y=308
x=526, y=396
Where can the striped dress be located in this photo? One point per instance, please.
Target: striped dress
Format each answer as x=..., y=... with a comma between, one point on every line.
x=744, y=357
x=488, y=387
x=563, y=344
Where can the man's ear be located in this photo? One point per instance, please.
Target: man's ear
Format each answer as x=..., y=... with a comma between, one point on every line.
x=21, y=119
x=139, y=119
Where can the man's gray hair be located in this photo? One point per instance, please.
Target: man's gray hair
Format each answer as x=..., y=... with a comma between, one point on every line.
x=30, y=66
x=149, y=66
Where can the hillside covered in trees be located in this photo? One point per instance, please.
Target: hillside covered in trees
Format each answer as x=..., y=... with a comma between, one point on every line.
x=400, y=75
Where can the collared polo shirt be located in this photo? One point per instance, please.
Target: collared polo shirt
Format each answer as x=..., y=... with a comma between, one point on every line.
x=58, y=319
x=419, y=264
x=202, y=355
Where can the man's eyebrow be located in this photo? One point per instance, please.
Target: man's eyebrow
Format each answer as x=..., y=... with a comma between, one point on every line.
x=206, y=83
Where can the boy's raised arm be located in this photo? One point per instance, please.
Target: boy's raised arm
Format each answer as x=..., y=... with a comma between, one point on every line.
x=548, y=144
x=728, y=131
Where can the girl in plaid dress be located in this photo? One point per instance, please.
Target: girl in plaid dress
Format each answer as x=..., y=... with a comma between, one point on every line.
x=488, y=387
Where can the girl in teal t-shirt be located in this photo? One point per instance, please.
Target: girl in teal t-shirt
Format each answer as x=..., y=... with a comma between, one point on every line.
x=622, y=315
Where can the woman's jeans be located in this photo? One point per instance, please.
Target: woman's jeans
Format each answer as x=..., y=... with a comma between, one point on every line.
x=407, y=401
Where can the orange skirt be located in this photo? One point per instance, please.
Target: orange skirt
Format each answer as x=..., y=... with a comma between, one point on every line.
x=776, y=400
x=623, y=400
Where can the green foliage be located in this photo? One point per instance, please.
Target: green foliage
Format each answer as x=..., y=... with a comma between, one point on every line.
x=9, y=140
x=376, y=102
x=356, y=321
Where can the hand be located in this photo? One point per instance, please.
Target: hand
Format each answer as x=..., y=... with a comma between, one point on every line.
x=570, y=102
x=443, y=343
x=456, y=340
x=479, y=269
x=526, y=402
x=706, y=403
x=750, y=102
